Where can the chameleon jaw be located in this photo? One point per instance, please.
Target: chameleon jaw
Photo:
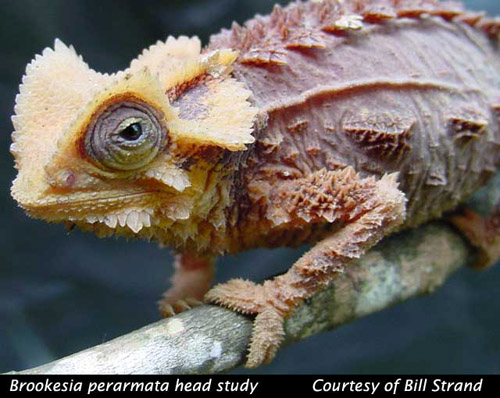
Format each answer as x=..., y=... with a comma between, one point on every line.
x=112, y=209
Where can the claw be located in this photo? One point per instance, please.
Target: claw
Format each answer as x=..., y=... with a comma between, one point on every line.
x=192, y=302
x=181, y=306
x=166, y=310
x=171, y=308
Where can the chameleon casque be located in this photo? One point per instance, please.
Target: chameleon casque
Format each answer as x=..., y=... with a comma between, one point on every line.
x=333, y=122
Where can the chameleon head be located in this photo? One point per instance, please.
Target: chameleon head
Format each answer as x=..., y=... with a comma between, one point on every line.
x=138, y=152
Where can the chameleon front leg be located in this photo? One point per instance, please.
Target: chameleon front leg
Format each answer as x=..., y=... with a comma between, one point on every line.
x=276, y=299
x=192, y=278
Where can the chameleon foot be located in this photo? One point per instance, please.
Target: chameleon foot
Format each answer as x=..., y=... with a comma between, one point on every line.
x=249, y=298
x=191, y=280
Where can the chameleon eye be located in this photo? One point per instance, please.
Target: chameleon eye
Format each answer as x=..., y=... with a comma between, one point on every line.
x=126, y=136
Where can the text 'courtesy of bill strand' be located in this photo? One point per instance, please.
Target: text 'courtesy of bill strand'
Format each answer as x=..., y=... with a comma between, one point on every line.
x=425, y=384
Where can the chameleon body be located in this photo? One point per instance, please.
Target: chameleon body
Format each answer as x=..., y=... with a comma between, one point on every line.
x=328, y=122
x=410, y=95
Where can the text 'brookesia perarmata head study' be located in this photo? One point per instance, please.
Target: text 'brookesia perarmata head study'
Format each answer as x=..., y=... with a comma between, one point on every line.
x=327, y=122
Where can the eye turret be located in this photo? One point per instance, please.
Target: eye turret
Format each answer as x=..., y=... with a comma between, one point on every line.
x=126, y=136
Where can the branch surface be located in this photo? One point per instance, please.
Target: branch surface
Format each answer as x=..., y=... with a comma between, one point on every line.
x=210, y=339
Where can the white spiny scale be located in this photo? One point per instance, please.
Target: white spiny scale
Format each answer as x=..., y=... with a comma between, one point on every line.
x=330, y=215
x=122, y=219
x=171, y=176
x=176, y=210
x=133, y=221
x=111, y=221
x=145, y=219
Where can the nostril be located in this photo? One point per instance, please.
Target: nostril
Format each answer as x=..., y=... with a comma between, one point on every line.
x=63, y=179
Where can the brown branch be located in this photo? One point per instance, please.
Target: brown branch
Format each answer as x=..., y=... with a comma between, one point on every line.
x=210, y=339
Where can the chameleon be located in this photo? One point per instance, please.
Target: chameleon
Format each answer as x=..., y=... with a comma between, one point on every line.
x=333, y=123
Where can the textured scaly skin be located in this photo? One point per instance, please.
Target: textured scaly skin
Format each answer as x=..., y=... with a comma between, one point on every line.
x=416, y=94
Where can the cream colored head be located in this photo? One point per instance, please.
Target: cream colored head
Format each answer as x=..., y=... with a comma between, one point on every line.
x=131, y=153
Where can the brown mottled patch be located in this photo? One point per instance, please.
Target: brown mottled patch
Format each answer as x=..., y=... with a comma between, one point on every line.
x=467, y=125
x=195, y=152
x=379, y=13
x=298, y=126
x=383, y=136
x=416, y=8
x=189, y=104
x=174, y=93
x=324, y=196
x=186, y=164
x=447, y=10
x=471, y=18
x=304, y=39
x=491, y=26
x=264, y=56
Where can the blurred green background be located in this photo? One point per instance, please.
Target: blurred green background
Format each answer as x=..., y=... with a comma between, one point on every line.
x=61, y=293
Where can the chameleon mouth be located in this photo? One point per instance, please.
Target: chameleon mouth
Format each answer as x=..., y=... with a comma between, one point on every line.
x=84, y=200
x=110, y=208
x=135, y=220
x=112, y=211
